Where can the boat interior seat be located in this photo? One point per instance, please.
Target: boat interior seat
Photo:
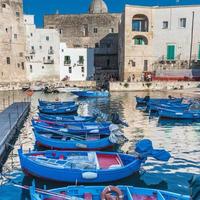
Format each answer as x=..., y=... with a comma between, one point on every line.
x=143, y=197
x=87, y=196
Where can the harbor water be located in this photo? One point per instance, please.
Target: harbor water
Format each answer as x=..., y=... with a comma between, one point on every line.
x=181, y=139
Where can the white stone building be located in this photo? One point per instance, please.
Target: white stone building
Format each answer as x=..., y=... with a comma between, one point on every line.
x=42, y=47
x=76, y=64
x=155, y=38
x=12, y=42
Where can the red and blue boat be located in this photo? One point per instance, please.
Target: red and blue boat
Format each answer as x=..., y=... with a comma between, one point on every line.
x=103, y=193
x=69, y=141
x=87, y=167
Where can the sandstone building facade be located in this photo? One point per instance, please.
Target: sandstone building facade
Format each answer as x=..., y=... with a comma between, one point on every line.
x=98, y=29
x=12, y=41
x=158, y=39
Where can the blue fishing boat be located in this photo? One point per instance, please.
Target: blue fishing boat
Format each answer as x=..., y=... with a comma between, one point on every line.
x=55, y=103
x=154, y=107
x=67, y=118
x=179, y=114
x=147, y=99
x=87, y=141
x=91, y=93
x=73, y=127
x=104, y=192
x=87, y=167
x=55, y=110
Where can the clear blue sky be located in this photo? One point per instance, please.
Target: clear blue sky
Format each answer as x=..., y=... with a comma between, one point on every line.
x=41, y=7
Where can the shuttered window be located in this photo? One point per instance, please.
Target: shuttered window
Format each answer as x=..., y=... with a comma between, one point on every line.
x=170, y=52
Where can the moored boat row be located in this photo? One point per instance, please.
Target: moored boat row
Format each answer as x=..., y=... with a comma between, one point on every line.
x=83, y=135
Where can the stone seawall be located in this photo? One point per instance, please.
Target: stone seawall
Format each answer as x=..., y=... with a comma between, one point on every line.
x=155, y=85
x=20, y=85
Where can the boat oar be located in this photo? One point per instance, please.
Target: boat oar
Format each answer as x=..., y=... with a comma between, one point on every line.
x=46, y=192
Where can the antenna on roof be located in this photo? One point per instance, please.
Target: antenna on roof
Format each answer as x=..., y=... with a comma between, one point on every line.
x=57, y=12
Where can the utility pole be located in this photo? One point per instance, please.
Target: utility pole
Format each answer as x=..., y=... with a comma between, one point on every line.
x=192, y=35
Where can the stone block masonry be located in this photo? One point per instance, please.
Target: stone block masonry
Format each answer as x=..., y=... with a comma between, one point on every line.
x=147, y=86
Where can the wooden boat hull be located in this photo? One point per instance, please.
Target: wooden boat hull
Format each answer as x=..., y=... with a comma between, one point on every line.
x=64, y=118
x=91, y=94
x=145, y=101
x=104, y=173
x=74, y=127
x=58, y=110
x=59, y=143
x=56, y=103
x=157, y=106
x=96, y=192
x=178, y=114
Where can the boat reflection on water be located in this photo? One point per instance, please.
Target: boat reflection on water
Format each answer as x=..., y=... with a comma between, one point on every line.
x=178, y=122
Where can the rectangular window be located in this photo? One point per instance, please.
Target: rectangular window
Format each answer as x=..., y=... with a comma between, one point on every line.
x=81, y=60
x=70, y=70
x=18, y=65
x=96, y=45
x=31, y=68
x=82, y=69
x=8, y=60
x=165, y=25
x=40, y=47
x=32, y=47
x=111, y=30
x=15, y=36
x=95, y=30
x=182, y=22
x=22, y=65
x=67, y=60
x=20, y=54
x=138, y=41
x=17, y=14
x=60, y=31
x=170, y=52
x=108, y=62
x=85, y=30
x=49, y=57
x=145, y=65
x=47, y=38
x=3, y=5
x=31, y=34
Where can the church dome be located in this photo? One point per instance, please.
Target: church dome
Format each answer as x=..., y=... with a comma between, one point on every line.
x=97, y=7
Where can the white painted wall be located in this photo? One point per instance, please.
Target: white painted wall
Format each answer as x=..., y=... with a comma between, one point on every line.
x=158, y=38
x=180, y=37
x=76, y=69
x=42, y=68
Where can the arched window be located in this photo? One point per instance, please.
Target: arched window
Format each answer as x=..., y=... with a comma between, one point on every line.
x=140, y=40
x=140, y=23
